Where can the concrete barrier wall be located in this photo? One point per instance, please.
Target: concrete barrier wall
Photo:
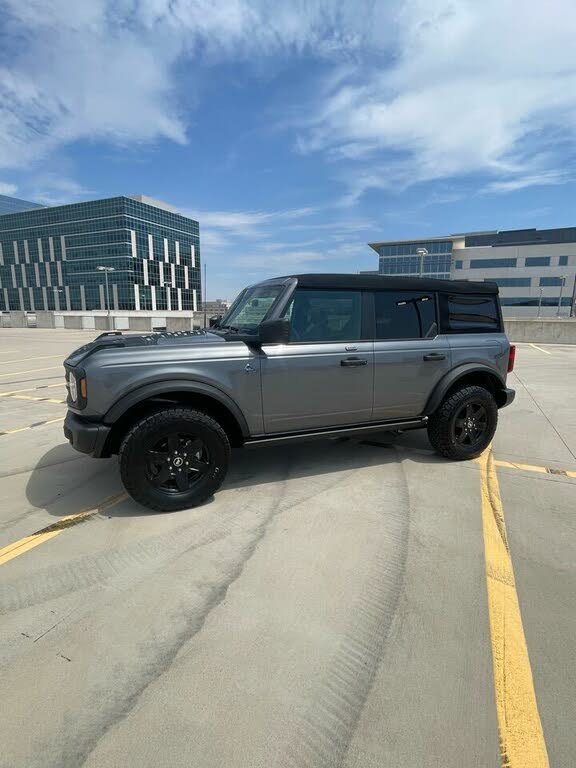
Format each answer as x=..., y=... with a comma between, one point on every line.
x=73, y=321
x=174, y=324
x=140, y=323
x=543, y=331
x=45, y=319
x=18, y=319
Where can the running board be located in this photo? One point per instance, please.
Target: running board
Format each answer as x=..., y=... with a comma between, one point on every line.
x=354, y=429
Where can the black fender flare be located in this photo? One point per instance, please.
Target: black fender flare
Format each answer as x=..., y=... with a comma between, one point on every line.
x=154, y=389
x=452, y=378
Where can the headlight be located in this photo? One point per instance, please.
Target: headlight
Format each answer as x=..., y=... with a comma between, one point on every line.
x=73, y=387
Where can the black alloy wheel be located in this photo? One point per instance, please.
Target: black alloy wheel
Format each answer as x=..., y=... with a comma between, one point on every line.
x=464, y=423
x=175, y=463
x=174, y=458
x=470, y=424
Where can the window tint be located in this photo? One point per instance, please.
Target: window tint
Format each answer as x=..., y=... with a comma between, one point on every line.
x=491, y=263
x=512, y=282
x=470, y=314
x=251, y=307
x=537, y=261
x=405, y=315
x=551, y=281
x=325, y=315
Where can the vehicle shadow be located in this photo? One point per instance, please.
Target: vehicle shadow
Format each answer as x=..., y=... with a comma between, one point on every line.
x=64, y=486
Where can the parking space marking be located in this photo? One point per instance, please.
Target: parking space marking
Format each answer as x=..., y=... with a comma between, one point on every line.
x=31, y=370
x=535, y=468
x=25, y=359
x=31, y=426
x=37, y=399
x=540, y=349
x=522, y=743
x=49, y=532
x=31, y=389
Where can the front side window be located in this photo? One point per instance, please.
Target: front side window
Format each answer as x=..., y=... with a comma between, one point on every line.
x=405, y=315
x=467, y=313
x=324, y=315
x=251, y=307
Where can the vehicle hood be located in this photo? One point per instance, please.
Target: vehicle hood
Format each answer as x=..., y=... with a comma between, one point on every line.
x=120, y=341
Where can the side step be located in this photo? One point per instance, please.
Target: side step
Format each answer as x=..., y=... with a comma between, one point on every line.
x=353, y=429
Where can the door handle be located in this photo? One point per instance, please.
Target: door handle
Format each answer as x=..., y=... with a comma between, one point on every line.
x=349, y=362
x=434, y=356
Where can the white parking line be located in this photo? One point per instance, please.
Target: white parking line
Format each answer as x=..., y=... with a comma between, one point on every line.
x=540, y=349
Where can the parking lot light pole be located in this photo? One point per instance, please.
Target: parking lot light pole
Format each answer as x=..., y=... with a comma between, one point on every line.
x=421, y=252
x=106, y=270
x=573, y=302
x=562, y=281
x=540, y=301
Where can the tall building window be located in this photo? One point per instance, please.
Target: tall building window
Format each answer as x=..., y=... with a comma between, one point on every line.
x=403, y=259
x=492, y=263
x=563, y=261
x=550, y=281
x=537, y=261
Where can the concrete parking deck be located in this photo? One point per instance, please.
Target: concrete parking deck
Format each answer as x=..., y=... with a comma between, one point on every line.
x=329, y=607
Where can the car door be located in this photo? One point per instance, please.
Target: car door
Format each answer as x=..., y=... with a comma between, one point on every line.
x=324, y=376
x=410, y=357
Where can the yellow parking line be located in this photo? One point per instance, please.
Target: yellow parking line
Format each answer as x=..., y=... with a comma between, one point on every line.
x=25, y=359
x=540, y=349
x=31, y=426
x=522, y=743
x=45, y=534
x=535, y=468
x=37, y=399
x=31, y=370
x=31, y=389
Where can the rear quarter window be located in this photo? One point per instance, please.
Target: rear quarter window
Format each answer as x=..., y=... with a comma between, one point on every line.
x=469, y=313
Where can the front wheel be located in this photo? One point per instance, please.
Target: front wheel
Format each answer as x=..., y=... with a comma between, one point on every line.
x=174, y=458
x=464, y=423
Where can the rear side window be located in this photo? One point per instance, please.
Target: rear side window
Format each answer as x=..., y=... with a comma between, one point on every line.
x=405, y=315
x=467, y=313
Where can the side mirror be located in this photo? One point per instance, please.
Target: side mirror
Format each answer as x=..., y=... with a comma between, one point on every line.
x=274, y=332
x=213, y=321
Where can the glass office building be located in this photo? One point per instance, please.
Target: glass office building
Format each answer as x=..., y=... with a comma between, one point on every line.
x=50, y=257
x=14, y=205
x=403, y=259
x=533, y=268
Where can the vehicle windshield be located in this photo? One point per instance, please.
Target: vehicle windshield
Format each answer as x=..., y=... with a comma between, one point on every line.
x=250, y=308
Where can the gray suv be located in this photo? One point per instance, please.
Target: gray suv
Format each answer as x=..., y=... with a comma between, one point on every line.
x=296, y=357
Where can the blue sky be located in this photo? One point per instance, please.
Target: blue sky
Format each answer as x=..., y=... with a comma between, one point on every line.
x=295, y=132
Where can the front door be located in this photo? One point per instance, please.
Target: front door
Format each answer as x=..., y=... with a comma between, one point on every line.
x=324, y=376
x=410, y=357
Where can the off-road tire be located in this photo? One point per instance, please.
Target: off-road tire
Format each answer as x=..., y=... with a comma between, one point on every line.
x=174, y=420
x=441, y=423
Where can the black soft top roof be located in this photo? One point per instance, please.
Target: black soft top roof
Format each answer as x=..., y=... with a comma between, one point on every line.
x=384, y=282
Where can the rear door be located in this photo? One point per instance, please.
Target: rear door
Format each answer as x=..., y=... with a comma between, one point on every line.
x=410, y=357
x=324, y=376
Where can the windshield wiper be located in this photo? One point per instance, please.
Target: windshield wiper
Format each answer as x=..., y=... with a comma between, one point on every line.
x=227, y=328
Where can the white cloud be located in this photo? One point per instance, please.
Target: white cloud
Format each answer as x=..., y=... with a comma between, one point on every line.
x=105, y=70
x=51, y=189
x=546, y=178
x=7, y=189
x=474, y=87
x=246, y=222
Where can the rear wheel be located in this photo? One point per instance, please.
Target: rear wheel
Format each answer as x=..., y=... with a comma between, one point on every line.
x=174, y=458
x=464, y=423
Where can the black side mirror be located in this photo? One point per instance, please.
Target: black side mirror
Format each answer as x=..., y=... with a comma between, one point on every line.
x=214, y=321
x=274, y=332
